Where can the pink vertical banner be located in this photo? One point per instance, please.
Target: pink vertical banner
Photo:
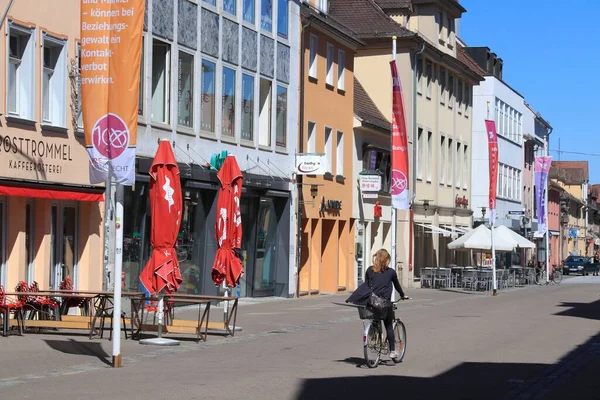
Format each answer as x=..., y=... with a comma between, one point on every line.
x=399, y=184
x=541, y=167
x=490, y=127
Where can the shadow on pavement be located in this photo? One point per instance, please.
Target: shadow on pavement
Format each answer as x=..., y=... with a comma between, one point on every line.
x=581, y=310
x=575, y=375
x=72, y=346
x=360, y=362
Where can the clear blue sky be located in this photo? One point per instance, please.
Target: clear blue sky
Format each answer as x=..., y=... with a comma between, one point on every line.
x=550, y=54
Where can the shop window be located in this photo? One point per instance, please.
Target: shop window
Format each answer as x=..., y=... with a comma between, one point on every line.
x=339, y=156
x=341, y=70
x=228, y=111
x=264, y=118
x=312, y=62
x=207, y=107
x=229, y=6
x=281, y=134
x=378, y=161
x=330, y=53
x=161, y=72
x=136, y=233
x=185, y=90
x=328, y=150
x=54, y=75
x=29, y=243
x=312, y=134
x=63, y=239
x=282, y=18
x=266, y=15
x=21, y=71
x=2, y=236
x=248, y=11
x=247, y=107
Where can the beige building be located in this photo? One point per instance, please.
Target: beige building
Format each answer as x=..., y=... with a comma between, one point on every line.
x=437, y=80
x=50, y=216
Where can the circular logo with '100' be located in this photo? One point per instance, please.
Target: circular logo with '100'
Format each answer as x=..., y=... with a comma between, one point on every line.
x=399, y=182
x=110, y=136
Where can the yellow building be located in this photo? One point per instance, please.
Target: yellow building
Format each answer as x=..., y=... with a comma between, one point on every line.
x=326, y=115
x=50, y=216
x=437, y=83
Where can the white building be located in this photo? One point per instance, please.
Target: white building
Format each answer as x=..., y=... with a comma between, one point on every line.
x=494, y=99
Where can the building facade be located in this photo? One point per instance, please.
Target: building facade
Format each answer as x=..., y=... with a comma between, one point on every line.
x=216, y=78
x=328, y=226
x=572, y=176
x=495, y=100
x=437, y=86
x=50, y=215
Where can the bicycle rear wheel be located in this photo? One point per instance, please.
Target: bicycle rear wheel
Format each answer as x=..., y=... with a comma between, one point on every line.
x=557, y=276
x=400, y=340
x=372, y=345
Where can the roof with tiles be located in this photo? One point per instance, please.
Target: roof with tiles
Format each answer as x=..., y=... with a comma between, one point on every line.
x=577, y=171
x=367, y=19
x=367, y=111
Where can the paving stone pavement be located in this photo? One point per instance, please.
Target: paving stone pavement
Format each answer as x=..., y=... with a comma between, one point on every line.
x=531, y=343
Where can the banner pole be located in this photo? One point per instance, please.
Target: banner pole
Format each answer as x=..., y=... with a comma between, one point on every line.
x=116, y=315
x=394, y=219
x=492, y=213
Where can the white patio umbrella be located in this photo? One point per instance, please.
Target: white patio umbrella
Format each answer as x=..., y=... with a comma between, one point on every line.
x=480, y=239
x=511, y=236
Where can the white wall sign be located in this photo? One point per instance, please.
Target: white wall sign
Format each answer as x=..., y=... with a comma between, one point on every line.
x=370, y=183
x=310, y=164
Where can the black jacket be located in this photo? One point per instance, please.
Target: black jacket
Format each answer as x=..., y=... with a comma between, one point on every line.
x=380, y=283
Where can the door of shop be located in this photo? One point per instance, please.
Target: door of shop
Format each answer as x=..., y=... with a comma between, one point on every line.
x=259, y=246
x=64, y=234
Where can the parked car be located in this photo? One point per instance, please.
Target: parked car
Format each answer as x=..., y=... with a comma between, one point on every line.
x=576, y=265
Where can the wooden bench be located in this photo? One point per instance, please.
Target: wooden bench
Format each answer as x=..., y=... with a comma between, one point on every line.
x=67, y=322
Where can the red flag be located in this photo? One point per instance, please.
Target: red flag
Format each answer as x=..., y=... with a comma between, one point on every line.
x=399, y=184
x=490, y=127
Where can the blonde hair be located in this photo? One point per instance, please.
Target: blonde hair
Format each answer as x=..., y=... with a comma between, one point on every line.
x=381, y=260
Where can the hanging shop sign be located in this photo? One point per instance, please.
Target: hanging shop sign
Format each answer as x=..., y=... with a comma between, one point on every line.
x=310, y=164
x=370, y=183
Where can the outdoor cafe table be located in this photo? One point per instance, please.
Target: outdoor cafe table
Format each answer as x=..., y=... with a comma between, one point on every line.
x=103, y=301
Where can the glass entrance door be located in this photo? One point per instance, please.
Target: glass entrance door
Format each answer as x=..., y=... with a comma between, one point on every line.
x=64, y=234
x=266, y=242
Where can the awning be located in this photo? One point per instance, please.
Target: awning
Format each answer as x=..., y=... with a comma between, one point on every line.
x=78, y=195
x=437, y=229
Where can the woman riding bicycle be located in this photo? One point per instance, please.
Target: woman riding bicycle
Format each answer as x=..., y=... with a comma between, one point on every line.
x=379, y=279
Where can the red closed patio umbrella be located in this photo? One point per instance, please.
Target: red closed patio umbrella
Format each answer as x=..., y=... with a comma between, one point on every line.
x=227, y=266
x=161, y=274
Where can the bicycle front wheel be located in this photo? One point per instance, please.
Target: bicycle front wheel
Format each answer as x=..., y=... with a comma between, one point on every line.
x=557, y=276
x=372, y=345
x=400, y=340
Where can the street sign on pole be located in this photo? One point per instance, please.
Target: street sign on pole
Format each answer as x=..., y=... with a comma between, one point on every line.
x=514, y=212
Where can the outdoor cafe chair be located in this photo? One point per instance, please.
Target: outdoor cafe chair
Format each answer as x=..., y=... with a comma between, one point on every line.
x=443, y=277
x=427, y=274
x=469, y=279
x=7, y=308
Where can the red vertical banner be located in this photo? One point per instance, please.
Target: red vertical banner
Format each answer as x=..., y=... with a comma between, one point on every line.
x=399, y=184
x=490, y=127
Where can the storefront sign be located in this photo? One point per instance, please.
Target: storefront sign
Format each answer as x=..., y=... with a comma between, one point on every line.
x=310, y=164
x=330, y=205
x=370, y=183
x=461, y=201
x=111, y=49
x=52, y=160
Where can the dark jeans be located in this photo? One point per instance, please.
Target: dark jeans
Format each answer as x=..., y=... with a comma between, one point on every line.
x=388, y=322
